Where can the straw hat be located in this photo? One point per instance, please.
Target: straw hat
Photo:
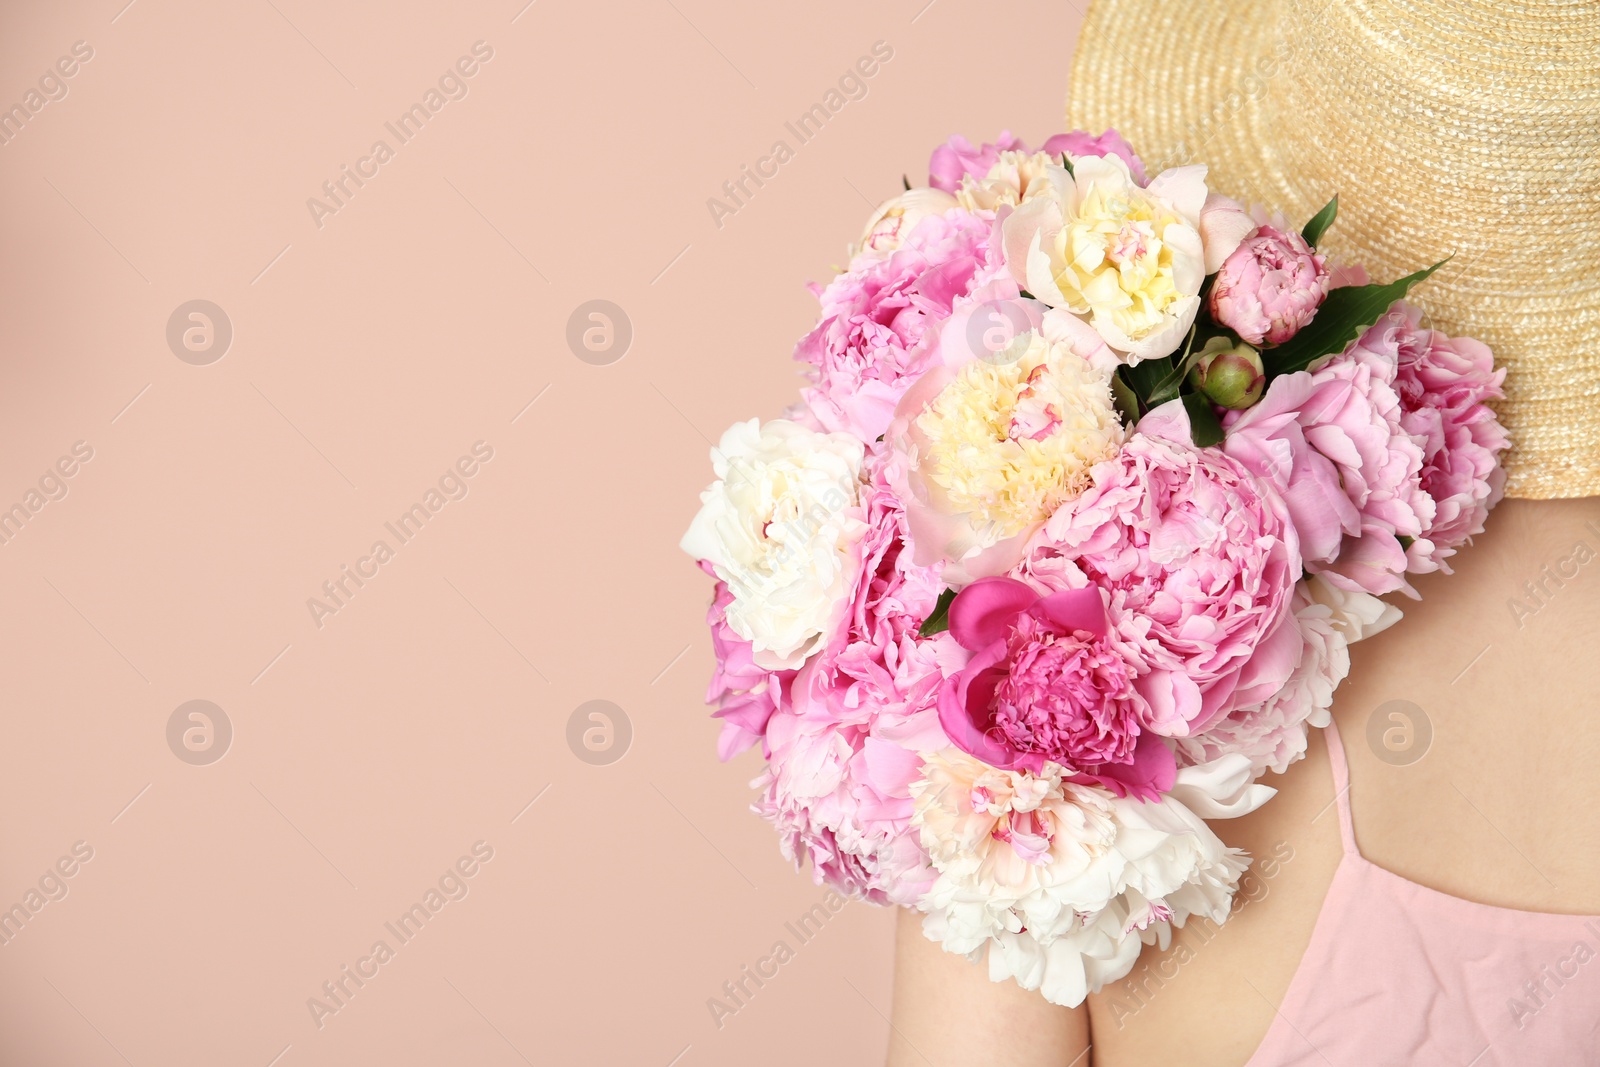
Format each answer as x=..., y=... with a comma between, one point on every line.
x=1456, y=126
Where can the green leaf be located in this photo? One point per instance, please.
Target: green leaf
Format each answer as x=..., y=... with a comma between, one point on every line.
x=939, y=621
x=1126, y=400
x=1204, y=426
x=1320, y=222
x=1343, y=315
x=1066, y=163
x=1147, y=374
x=1405, y=542
x=905, y=181
x=1167, y=387
x=1026, y=295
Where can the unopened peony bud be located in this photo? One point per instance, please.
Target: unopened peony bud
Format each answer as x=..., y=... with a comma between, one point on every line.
x=1269, y=287
x=1229, y=375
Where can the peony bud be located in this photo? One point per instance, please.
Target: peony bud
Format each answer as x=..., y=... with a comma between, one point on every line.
x=1229, y=375
x=1269, y=287
x=899, y=215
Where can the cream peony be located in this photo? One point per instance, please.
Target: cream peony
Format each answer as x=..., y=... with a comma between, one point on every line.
x=1128, y=260
x=992, y=444
x=897, y=216
x=1061, y=882
x=1015, y=177
x=781, y=526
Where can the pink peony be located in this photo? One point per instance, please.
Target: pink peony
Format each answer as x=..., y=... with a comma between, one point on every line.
x=1045, y=685
x=843, y=750
x=957, y=158
x=1273, y=733
x=1332, y=443
x=864, y=350
x=1269, y=287
x=1198, y=559
x=744, y=694
x=1109, y=143
x=1444, y=385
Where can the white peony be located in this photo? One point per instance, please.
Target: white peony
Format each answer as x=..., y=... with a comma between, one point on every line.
x=781, y=525
x=1063, y=882
x=1128, y=260
x=1354, y=614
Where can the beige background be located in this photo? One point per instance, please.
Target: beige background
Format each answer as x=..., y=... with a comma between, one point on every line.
x=368, y=354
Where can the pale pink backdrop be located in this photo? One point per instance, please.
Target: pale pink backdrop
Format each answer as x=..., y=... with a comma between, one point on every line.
x=372, y=347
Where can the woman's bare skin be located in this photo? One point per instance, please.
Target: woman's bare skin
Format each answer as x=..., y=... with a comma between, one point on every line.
x=1501, y=807
x=948, y=1014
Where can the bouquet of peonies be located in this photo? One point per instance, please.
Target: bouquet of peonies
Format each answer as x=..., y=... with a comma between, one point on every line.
x=1094, y=479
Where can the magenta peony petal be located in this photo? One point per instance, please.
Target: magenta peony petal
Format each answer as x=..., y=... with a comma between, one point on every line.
x=982, y=611
x=963, y=712
x=1153, y=771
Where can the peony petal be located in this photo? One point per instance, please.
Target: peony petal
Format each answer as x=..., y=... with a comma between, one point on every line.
x=1220, y=789
x=966, y=730
x=1076, y=609
x=982, y=612
x=890, y=768
x=1185, y=189
x=1152, y=772
x=1223, y=224
x=1169, y=421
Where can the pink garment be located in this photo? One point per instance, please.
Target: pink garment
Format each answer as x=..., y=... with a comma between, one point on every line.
x=1400, y=974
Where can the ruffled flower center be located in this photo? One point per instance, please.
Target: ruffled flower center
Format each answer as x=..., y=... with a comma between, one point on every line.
x=1064, y=695
x=1010, y=442
x=1115, y=262
x=1015, y=177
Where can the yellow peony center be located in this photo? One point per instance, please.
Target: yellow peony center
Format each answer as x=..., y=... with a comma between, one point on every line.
x=1111, y=258
x=1009, y=443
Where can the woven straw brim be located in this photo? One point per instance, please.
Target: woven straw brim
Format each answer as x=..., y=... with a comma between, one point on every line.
x=1457, y=127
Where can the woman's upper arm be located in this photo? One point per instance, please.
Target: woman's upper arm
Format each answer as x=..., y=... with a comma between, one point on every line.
x=948, y=1014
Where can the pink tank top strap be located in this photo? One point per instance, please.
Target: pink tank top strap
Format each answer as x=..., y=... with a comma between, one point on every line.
x=1341, y=785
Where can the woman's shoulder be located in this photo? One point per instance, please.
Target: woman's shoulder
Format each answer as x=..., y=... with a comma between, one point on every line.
x=1472, y=730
